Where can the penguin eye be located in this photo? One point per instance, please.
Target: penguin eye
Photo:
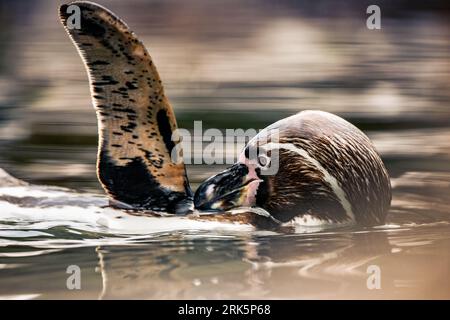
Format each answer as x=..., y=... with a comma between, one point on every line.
x=263, y=160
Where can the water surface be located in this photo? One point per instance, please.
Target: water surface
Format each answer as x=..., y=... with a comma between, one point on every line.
x=233, y=65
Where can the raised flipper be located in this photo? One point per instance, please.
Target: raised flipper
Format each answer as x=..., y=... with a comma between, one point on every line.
x=135, y=119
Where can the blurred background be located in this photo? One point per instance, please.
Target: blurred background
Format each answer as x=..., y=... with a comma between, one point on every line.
x=236, y=64
x=233, y=64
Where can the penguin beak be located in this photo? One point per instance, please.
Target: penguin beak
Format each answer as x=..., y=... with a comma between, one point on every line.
x=234, y=187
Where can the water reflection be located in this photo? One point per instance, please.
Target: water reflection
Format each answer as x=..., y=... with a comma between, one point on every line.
x=330, y=265
x=232, y=65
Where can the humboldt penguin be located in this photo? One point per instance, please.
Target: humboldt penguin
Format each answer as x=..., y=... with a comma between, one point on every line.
x=313, y=165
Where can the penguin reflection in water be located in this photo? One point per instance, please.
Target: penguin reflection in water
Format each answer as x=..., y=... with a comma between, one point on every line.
x=327, y=170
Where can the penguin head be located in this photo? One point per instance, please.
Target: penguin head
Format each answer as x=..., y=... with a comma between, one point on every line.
x=312, y=163
x=265, y=176
x=237, y=186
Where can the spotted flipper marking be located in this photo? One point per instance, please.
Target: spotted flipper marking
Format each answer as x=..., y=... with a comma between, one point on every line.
x=134, y=116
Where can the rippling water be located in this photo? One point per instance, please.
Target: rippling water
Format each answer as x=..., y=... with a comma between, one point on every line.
x=231, y=65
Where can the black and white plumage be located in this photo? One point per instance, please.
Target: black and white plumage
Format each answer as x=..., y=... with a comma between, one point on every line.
x=328, y=170
x=325, y=169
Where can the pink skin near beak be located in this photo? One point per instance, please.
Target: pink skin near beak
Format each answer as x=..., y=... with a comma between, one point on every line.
x=252, y=187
